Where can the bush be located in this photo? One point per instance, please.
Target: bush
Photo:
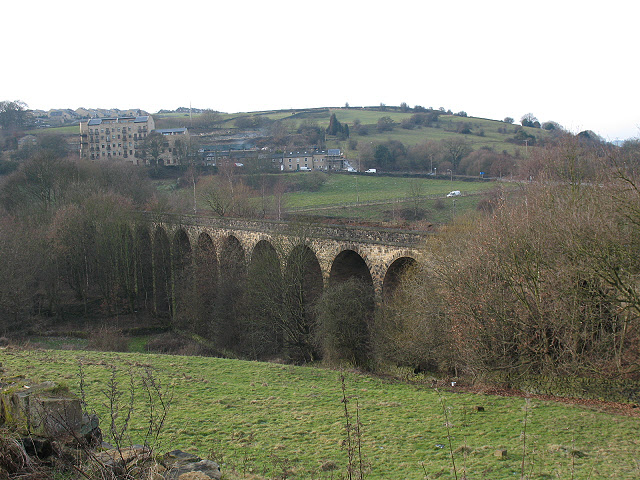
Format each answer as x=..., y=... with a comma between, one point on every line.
x=109, y=340
x=309, y=182
x=385, y=124
x=174, y=344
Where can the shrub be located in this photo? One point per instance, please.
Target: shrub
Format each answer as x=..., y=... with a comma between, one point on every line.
x=174, y=344
x=109, y=340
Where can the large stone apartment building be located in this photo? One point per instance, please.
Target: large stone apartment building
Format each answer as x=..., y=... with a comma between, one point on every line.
x=114, y=138
x=121, y=138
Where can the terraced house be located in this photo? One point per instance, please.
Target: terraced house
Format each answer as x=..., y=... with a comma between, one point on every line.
x=302, y=160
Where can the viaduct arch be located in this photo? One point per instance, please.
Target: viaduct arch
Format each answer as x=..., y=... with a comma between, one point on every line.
x=214, y=245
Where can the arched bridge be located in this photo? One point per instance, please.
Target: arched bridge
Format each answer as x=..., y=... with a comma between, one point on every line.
x=325, y=253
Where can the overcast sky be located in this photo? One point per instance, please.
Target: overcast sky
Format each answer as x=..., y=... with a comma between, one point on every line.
x=573, y=62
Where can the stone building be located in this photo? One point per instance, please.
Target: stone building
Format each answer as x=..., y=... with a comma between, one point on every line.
x=122, y=138
x=175, y=143
x=304, y=160
x=114, y=138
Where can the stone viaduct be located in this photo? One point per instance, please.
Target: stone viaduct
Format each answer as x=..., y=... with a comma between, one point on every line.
x=376, y=255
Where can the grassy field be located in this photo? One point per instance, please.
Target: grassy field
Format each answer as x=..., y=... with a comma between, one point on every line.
x=347, y=196
x=430, y=210
x=259, y=417
x=70, y=130
x=351, y=188
x=329, y=200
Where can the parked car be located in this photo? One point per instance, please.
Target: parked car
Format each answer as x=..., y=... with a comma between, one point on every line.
x=371, y=170
x=455, y=193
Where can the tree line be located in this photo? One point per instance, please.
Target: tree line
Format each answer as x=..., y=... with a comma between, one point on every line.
x=75, y=245
x=544, y=283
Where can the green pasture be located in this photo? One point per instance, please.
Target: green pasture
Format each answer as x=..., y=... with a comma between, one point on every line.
x=261, y=418
x=397, y=212
x=341, y=188
x=492, y=140
x=69, y=130
x=374, y=198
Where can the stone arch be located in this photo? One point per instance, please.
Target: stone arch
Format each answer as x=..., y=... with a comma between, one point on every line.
x=230, y=293
x=181, y=275
x=264, y=249
x=205, y=279
x=264, y=299
x=303, y=270
x=181, y=250
x=258, y=243
x=393, y=278
x=357, y=249
x=348, y=264
x=127, y=265
x=347, y=311
x=205, y=255
x=143, y=258
x=303, y=286
x=161, y=271
x=232, y=252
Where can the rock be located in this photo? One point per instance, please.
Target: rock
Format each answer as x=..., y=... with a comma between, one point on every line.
x=43, y=409
x=195, y=471
x=37, y=446
x=124, y=456
x=500, y=454
x=194, y=476
x=175, y=457
x=90, y=430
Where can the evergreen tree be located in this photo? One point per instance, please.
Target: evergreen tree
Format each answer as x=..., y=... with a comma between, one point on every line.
x=335, y=127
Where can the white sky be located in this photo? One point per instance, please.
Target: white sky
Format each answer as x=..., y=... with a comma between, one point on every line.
x=573, y=62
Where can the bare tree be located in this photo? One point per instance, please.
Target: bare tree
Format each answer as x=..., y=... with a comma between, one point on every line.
x=455, y=150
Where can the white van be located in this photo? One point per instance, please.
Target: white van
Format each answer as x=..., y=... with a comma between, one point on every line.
x=455, y=193
x=371, y=170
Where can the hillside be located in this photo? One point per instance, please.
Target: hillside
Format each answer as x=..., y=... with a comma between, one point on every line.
x=481, y=132
x=265, y=419
x=387, y=138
